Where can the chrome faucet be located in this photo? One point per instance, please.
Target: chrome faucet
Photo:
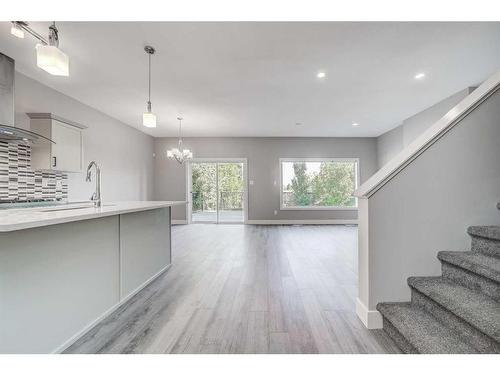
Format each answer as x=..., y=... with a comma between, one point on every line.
x=96, y=197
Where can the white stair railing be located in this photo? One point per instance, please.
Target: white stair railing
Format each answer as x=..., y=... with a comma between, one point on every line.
x=431, y=135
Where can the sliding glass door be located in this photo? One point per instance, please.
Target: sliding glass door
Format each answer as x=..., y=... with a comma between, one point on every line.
x=218, y=191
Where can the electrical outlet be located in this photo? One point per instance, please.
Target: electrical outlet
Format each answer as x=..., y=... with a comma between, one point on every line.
x=251, y=182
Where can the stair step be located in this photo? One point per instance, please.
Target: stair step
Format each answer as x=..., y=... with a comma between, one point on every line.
x=420, y=330
x=476, y=309
x=473, y=270
x=485, y=239
x=481, y=264
x=491, y=232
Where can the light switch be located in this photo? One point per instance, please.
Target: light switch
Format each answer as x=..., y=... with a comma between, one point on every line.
x=251, y=182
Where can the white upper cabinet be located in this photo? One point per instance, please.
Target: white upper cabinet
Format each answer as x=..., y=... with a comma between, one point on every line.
x=66, y=153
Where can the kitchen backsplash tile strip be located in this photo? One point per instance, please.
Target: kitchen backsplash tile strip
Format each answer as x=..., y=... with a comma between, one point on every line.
x=18, y=182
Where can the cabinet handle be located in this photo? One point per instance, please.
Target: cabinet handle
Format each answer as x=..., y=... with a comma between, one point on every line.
x=55, y=161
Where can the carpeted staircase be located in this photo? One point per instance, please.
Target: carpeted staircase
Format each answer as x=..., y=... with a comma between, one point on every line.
x=458, y=312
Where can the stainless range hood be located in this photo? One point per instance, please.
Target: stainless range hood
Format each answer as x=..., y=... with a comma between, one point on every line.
x=8, y=131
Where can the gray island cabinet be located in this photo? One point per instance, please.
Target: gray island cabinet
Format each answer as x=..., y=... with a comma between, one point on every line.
x=62, y=271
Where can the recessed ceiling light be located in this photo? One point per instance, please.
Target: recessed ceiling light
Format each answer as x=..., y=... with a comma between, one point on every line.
x=355, y=124
x=321, y=75
x=420, y=76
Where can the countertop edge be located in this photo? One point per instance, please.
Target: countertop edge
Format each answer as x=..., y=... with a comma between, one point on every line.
x=43, y=222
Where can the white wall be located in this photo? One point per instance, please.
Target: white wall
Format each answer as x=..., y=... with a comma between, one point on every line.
x=125, y=154
x=263, y=168
x=392, y=142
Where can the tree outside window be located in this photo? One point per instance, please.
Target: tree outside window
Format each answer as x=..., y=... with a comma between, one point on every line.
x=324, y=183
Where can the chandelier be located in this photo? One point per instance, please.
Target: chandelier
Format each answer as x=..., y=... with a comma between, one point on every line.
x=179, y=153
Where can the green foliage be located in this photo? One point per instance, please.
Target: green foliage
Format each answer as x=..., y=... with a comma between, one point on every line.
x=205, y=186
x=300, y=185
x=332, y=186
x=204, y=192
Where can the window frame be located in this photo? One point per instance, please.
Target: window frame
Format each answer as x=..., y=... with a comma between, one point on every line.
x=315, y=208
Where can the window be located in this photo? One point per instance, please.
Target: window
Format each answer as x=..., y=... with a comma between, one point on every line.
x=318, y=184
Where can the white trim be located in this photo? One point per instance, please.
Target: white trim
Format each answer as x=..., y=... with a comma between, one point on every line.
x=179, y=221
x=187, y=170
x=372, y=319
x=217, y=160
x=52, y=116
x=317, y=208
x=429, y=137
x=304, y=222
x=87, y=328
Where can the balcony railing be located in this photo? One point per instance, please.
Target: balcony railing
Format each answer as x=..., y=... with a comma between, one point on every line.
x=228, y=200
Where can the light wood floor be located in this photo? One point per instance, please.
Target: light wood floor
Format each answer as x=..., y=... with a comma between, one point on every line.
x=246, y=289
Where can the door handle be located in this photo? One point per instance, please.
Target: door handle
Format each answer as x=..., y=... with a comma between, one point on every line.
x=54, y=161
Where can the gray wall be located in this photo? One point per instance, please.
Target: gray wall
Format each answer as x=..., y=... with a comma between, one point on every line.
x=429, y=205
x=392, y=142
x=125, y=154
x=263, y=168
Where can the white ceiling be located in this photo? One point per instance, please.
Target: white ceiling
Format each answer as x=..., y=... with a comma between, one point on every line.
x=259, y=79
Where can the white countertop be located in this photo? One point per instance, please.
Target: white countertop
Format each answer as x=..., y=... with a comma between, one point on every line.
x=24, y=218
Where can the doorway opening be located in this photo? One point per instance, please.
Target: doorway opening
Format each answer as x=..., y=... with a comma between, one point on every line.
x=217, y=191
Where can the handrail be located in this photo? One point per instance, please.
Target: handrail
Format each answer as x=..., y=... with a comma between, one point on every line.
x=429, y=137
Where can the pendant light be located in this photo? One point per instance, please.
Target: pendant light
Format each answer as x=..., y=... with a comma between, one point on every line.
x=179, y=153
x=48, y=55
x=50, y=58
x=149, y=118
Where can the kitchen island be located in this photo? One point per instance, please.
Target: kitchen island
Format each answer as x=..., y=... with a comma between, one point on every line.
x=65, y=268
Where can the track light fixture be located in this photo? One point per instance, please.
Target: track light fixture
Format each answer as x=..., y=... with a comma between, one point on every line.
x=48, y=55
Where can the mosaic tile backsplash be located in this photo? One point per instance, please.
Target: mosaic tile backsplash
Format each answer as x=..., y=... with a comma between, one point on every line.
x=19, y=183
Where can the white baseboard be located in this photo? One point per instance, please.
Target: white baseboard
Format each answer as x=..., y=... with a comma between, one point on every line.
x=287, y=222
x=179, y=222
x=87, y=328
x=372, y=319
x=304, y=222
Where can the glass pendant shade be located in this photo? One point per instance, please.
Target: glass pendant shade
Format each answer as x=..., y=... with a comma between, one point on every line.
x=52, y=60
x=17, y=31
x=149, y=120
